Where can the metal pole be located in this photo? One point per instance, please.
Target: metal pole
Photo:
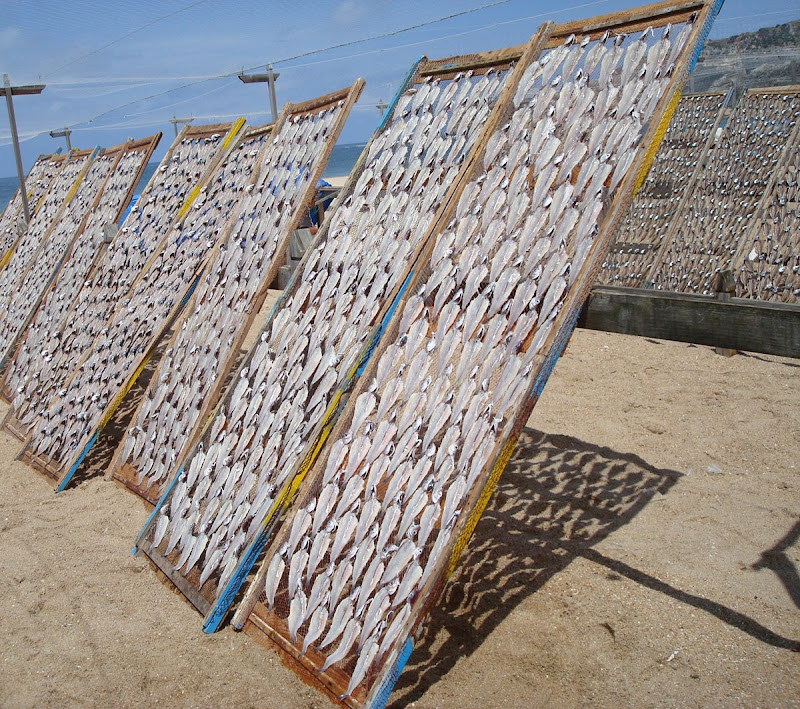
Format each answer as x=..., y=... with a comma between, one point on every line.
x=15, y=139
x=273, y=103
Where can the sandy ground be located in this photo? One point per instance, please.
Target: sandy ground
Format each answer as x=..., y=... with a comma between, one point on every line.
x=641, y=550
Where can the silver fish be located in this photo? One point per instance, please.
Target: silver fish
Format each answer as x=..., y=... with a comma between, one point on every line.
x=394, y=629
x=374, y=613
x=344, y=534
x=315, y=626
x=341, y=617
x=340, y=577
x=297, y=565
x=318, y=548
x=351, y=632
x=297, y=613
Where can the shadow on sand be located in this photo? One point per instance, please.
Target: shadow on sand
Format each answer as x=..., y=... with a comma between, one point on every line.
x=558, y=497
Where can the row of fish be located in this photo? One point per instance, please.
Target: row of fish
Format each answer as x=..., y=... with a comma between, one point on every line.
x=204, y=346
x=67, y=284
x=380, y=516
x=146, y=226
x=771, y=269
x=29, y=240
x=723, y=200
x=38, y=181
x=32, y=282
x=74, y=412
x=651, y=213
x=255, y=441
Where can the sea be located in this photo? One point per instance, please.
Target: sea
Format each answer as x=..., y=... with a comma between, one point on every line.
x=340, y=163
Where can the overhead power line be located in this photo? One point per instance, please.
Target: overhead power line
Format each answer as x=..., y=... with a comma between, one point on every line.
x=225, y=75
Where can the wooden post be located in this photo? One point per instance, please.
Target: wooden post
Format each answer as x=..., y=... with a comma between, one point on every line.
x=724, y=285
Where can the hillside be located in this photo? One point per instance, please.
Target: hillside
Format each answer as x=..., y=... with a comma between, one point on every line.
x=767, y=57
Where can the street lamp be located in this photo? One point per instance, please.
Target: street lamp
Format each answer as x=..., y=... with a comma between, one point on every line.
x=62, y=134
x=270, y=78
x=176, y=121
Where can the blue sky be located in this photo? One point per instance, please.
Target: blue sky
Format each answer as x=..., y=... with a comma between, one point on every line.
x=96, y=57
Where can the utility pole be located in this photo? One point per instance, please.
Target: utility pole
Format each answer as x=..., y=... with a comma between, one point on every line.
x=270, y=77
x=19, y=91
x=62, y=134
x=381, y=106
x=182, y=121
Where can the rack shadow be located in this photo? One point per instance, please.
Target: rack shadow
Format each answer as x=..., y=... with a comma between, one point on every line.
x=557, y=496
x=557, y=499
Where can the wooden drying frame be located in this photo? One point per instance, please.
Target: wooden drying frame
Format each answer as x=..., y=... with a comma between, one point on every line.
x=555, y=342
x=738, y=258
x=216, y=613
x=8, y=255
x=126, y=474
x=48, y=467
x=350, y=95
x=266, y=626
x=146, y=146
x=443, y=69
x=792, y=142
x=261, y=622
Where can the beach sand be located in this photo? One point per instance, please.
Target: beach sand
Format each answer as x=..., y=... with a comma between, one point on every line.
x=631, y=556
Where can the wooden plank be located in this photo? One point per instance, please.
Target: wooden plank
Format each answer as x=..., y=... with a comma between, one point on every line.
x=194, y=596
x=779, y=90
x=632, y=20
x=739, y=323
x=313, y=104
x=12, y=425
x=272, y=632
x=481, y=60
